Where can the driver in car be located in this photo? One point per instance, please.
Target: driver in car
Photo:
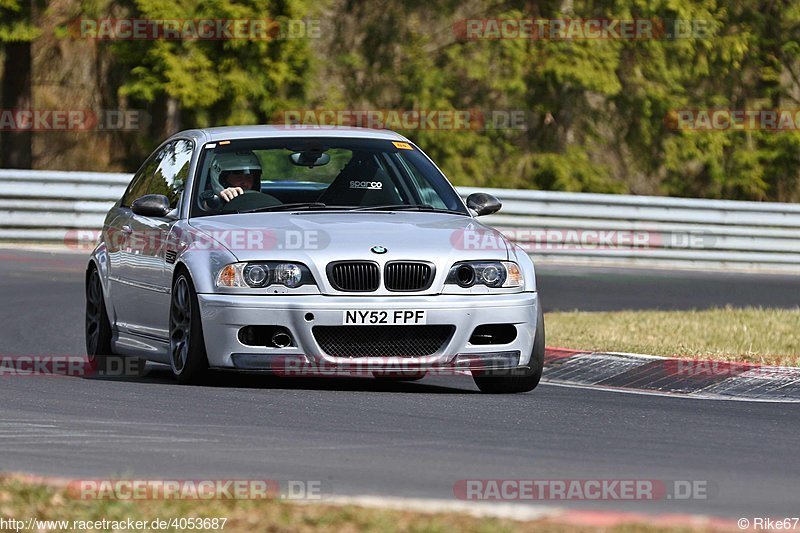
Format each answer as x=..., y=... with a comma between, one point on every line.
x=233, y=174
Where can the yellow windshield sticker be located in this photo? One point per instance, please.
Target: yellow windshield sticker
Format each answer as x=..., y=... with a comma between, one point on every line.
x=402, y=146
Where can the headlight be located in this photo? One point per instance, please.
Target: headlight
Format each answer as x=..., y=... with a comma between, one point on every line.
x=288, y=274
x=256, y=275
x=498, y=274
x=263, y=274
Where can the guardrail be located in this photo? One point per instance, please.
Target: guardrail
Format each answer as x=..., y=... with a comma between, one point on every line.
x=650, y=230
x=48, y=206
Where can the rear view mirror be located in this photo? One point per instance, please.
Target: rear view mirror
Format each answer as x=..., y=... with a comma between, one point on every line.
x=483, y=203
x=310, y=158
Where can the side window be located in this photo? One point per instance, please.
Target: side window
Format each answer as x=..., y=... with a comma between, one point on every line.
x=164, y=173
x=170, y=176
x=139, y=183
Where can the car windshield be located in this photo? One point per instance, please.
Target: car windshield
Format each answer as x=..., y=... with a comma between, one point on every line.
x=319, y=174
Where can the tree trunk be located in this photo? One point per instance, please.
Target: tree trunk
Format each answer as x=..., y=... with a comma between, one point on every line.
x=173, y=117
x=166, y=118
x=15, y=146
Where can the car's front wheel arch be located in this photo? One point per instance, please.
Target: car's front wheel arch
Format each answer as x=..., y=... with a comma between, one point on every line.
x=523, y=379
x=187, y=350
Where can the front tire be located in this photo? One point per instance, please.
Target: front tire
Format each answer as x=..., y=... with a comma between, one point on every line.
x=187, y=348
x=98, y=326
x=521, y=379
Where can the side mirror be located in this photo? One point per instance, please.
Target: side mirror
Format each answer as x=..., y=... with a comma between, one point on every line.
x=483, y=203
x=151, y=205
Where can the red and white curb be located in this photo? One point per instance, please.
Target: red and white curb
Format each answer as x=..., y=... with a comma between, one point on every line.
x=663, y=375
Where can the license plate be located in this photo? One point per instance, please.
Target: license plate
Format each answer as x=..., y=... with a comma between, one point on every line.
x=377, y=318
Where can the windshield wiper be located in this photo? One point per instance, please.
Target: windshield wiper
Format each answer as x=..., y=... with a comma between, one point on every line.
x=287, y=207
x=407, y=207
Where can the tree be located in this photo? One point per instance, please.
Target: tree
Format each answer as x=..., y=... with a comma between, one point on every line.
x=213, y=82
x=16, y=33
x=599, y=110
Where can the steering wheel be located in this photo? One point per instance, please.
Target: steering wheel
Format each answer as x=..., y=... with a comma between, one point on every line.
x=250, y=200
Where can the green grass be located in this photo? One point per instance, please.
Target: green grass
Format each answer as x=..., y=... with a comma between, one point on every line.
x=764, y=336
x=22, y=499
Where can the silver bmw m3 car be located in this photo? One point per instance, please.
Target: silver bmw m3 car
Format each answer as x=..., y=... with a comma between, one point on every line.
x=298, y=250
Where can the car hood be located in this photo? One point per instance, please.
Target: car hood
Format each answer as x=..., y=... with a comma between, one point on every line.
x=323, y=237
x=316, y=239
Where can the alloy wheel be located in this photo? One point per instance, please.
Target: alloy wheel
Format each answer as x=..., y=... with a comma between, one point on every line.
x=180, y=324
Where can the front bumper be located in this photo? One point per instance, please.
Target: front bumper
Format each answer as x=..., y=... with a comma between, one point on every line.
x=223, y=315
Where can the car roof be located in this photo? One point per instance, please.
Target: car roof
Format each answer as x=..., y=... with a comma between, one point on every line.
x=283, y=131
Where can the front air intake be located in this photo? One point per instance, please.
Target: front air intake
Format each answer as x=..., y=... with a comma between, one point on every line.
x=354, y=276
x=382, y=341
x=407, y=276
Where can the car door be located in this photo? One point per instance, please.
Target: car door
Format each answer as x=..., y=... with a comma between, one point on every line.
x=144, y=288
x=121, y=243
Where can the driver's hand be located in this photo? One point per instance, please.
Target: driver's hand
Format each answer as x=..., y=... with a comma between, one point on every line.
x=230, y=193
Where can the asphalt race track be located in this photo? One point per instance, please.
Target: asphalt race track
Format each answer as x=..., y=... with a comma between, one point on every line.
x=360, y=436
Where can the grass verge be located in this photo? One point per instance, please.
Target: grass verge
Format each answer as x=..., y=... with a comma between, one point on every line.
x=23, y=500
x=755, y=335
